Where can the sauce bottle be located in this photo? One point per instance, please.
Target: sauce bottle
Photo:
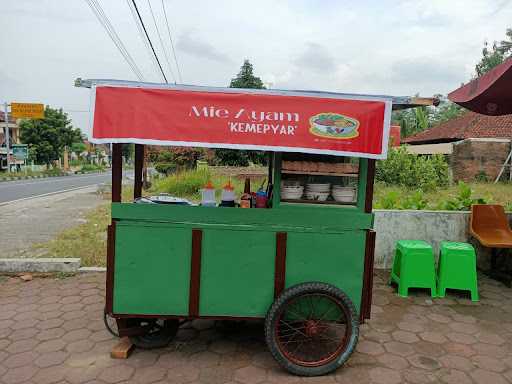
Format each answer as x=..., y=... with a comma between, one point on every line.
x=246, y=198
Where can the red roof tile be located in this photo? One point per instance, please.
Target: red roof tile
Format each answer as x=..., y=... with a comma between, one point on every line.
x=469, y=125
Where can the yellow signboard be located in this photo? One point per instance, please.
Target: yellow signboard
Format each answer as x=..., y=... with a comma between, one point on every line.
x=27, y=110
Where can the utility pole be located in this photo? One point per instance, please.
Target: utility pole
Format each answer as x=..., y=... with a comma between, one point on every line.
x=7, y=137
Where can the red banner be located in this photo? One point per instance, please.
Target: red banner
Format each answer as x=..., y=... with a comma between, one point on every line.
x=243, y=119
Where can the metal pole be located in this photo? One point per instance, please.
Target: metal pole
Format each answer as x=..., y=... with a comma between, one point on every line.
x=7, y=138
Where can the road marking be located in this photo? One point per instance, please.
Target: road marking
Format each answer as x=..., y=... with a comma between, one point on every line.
x=50, y=181
x=47, y=194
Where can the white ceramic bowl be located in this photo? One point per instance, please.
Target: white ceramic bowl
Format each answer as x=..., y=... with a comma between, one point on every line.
x=318, y=187
x=344, y=199
x=291, y=195
x=319, y=196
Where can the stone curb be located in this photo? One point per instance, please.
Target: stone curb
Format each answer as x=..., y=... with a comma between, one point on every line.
x=30, y=177
x=87, y=172
x=68, y=264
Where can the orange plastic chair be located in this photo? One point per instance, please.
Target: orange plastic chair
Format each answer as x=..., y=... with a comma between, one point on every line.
x=489, y=225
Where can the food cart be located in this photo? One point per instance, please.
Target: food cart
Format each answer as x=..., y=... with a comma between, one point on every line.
x=304, y=264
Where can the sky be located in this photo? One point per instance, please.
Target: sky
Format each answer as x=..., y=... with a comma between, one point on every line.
x=393, y=47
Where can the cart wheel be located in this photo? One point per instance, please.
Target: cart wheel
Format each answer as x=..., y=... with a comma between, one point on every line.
x=312, y=329
x=160, y=333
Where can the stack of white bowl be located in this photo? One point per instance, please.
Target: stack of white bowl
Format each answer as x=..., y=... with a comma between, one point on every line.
x=317, y=191
x=291, y=191
x=344, y=194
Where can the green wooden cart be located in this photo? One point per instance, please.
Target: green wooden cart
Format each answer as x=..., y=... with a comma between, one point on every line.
x=303, y=266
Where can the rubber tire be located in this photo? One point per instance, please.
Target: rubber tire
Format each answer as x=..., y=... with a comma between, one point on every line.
x=160, y=340
x=298, y=290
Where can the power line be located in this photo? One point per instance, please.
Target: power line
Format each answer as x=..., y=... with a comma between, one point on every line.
x=172, y=43
x=142, y=35
x=161, y=41
x=105, y=22
x=149, y=40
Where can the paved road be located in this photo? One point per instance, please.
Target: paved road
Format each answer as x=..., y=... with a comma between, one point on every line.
x=14, y=190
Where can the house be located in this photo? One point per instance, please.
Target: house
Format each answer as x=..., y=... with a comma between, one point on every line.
x=14, y=130
x=477, y=145
x=14, y=137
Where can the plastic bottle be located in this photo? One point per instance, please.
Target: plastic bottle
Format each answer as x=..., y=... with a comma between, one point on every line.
x=228, y=195
x=245, y=199
x=208, y=195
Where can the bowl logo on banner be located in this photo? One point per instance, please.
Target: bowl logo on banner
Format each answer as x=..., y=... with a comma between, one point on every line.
x=334, y=126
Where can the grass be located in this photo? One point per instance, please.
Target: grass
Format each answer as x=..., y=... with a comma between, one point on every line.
x=87, y=241
x=187, y=184
x=29, y=172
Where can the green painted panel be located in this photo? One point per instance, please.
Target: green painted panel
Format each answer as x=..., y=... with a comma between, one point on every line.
x=285, y=218
x=152, y=269
x=237, y=272
x=336, y=259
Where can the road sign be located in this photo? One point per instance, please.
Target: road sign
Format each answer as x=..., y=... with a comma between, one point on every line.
x=27, y=110
x=20, y=151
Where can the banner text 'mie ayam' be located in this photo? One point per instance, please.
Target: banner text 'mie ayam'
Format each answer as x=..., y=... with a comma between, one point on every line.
x=251, y=121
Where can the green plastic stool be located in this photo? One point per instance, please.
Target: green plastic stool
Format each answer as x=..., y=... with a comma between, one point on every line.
x=413, y=267
x=457, y=269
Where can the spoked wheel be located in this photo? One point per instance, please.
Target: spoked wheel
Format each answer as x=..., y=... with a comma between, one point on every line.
x=159, y=332
x=312, y=329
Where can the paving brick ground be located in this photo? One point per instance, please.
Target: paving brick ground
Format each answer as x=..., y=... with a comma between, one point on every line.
x=51, y=331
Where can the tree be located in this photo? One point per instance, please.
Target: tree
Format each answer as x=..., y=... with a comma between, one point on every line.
x=244, y=79
x=47, y=137
x=494, y=55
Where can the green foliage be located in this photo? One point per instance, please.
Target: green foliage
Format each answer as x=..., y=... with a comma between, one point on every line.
x=416, y=201
x=464, y=199
x=92, y=168
x=482, y=177
x=390, y=200
x=412, y=171
x=246, y=78
x=165, y=168
x=128, y=151
x=168, y=161
x=47, y=137
x=446, y=110
x=416, y=120
x=53, y=172
x=493, y=55
x=395, y=200
x=78, y=147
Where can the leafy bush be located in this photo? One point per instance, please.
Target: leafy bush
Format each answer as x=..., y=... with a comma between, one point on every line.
x=92, y=168
x=394, y=200
x=53, y=171
x=412, y=171
x=181, y=157
x=238, y=158
x=464, y=199
x=165, y=168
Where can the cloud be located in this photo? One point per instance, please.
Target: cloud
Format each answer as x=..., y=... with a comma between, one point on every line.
x=316, y=58
x=425, y=69
x=194, y=46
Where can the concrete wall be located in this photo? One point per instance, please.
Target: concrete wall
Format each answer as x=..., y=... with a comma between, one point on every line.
x=431, y=226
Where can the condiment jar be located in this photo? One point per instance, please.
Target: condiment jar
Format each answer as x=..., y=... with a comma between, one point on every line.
x=208, y=195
